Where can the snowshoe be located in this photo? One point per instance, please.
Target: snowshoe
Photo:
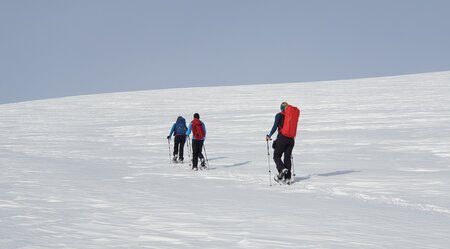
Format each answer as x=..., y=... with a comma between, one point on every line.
x=280, y=181
x=289, y=181
x=282, y=174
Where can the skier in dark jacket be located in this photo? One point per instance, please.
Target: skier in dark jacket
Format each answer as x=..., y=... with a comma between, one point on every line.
x=198, y=129
x=282, y=145
x=179, y=131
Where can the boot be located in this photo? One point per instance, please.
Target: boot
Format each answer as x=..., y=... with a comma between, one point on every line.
x=281, y=176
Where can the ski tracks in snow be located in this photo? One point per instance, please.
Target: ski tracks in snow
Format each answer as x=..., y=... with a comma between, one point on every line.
x=317, y=184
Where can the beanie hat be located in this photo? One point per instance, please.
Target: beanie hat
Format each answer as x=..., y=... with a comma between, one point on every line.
x=196, y=115
x=283, y=106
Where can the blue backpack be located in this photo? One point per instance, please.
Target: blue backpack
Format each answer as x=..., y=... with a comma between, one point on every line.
x=180, y=126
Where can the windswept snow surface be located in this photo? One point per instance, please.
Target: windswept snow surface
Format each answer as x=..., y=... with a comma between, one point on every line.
x=372, y=160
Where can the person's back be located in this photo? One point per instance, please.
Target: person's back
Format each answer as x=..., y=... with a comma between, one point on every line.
x=198, y=129
x=179, y=131
x=180, y=127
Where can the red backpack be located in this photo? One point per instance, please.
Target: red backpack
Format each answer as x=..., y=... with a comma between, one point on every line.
x=291, y=115
x=197, y=129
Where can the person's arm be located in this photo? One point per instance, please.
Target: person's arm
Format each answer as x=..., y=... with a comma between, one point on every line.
x=171, y=131
x=204, y=128
x=276, y=123
x=188, y=132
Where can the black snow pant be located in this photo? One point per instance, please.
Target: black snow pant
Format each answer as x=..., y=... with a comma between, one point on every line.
x=178, y=148
x=283, y=145
x=197, y=146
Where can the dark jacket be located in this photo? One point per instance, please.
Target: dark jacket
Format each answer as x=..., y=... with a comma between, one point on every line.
x=277, y=124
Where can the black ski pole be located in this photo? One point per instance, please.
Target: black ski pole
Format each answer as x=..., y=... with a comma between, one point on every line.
x=170, y=156
x=268, y=161
x=293, y=169
x=206, y=156
x=189, y=150
x=292, y=162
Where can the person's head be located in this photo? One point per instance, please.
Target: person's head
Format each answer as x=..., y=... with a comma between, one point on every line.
x=283, y=106
x=180, y=119
x=197, y=116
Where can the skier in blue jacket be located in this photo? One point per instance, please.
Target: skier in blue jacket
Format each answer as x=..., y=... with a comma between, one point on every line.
x=179, y=131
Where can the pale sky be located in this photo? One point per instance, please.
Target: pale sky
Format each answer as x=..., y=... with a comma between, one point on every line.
x=55, y=48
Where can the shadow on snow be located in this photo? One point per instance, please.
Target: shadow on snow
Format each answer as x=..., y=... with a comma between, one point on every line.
x=216, y=158
x=334, y=173
x=237, y=164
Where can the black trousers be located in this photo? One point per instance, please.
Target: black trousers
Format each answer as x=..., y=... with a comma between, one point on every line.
x=283, y=145
x=178, y=148
x=197, y=146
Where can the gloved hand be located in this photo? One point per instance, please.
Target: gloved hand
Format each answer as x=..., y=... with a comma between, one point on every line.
x=168, y=137
x=268, y=138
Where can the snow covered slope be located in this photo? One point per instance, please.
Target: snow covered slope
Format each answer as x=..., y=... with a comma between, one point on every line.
x=372, y=159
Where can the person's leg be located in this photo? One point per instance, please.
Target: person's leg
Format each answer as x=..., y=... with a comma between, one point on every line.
x=278, y=153
x=288, y=155
x=200, y=154
x=195, y=151
x=175, y=146
x=181, y=150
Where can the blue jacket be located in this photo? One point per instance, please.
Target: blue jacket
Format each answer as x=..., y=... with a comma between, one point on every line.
x=188, y=132
x=181, y=121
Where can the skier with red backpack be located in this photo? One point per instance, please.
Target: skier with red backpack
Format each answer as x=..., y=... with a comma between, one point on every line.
x=179, y=131
x=286, y=124
x=198, y=129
